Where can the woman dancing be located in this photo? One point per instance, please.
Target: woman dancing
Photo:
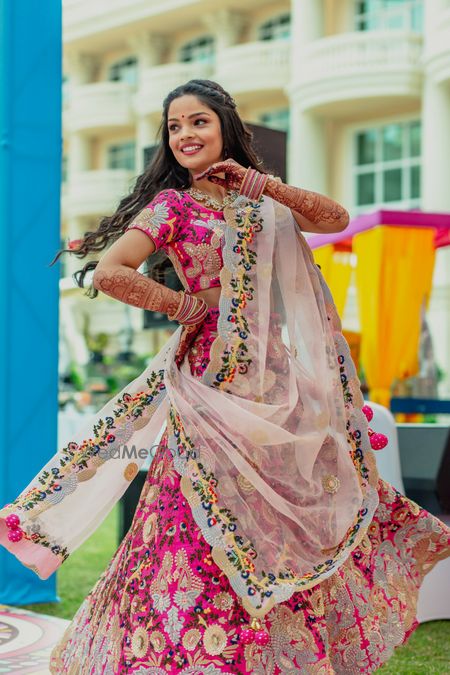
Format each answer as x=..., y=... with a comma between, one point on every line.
x=264, y=540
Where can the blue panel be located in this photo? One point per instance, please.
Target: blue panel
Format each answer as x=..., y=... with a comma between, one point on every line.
x=420, y=405
x=30, y=167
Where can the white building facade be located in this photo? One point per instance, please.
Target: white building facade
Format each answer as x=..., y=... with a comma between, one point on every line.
x=361, y=87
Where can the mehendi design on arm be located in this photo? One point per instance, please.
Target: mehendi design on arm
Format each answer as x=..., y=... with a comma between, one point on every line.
x=316, y=207
x=130, y=286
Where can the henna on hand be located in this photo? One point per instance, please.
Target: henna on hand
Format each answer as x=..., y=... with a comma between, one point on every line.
x=234, y=174
x=316, y=207
x=130, y=286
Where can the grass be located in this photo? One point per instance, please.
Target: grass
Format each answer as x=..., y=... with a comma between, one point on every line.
x=427, y=651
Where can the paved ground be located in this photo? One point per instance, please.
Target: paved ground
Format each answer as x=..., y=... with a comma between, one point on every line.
x=26, y=639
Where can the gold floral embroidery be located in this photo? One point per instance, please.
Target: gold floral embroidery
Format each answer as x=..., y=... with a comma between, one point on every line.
x=130, y=471
x=124, y=603
x=245, y=485
x=223, y=601
x=187, y=581
x=151, y=494
x=86, y=474
x=191, y=639
x=149, y=529
x=331, y=483
x=161, y=583
x=158, y=641
x=206, y=263
x=139, y=642
x=214, y=639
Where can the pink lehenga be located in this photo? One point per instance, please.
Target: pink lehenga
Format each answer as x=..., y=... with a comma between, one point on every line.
x=264, y=540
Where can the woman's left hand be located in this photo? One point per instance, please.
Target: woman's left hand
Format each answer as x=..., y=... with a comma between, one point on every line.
x=234, y=174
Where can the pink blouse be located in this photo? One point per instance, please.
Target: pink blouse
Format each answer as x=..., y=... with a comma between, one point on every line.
x=190, y=234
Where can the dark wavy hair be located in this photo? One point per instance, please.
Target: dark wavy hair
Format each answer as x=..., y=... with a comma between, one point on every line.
x=164, y=172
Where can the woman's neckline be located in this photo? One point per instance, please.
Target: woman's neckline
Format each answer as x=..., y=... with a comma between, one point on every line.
x=206, y=208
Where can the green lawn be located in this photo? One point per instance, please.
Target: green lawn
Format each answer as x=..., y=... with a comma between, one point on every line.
x=427, y=652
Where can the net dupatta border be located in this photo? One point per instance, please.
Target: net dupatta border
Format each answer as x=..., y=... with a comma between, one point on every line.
x=232, y=552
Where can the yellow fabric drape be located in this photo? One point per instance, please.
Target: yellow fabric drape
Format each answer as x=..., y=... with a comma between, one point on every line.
x=394, y=274
x=336, y=269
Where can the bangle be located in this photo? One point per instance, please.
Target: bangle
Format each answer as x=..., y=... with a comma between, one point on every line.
x=253, y=184
x=191, y=310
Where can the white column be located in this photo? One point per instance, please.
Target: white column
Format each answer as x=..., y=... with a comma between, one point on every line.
x=435, y=146
x=146, y=129
x=432, y=12
x=307, y=152
x=80, y=67
x=307, y=21
x=149, y=48
x=435, y=184
x=226, y=26
x=78, y=154
x=439, y=316
x=435, y=120
x=77, y=161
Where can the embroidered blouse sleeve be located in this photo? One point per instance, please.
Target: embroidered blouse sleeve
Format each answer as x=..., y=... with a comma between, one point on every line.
x=160, y=219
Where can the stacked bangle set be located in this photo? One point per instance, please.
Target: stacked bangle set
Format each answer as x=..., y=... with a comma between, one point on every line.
x=191, y=310
x=253, y=184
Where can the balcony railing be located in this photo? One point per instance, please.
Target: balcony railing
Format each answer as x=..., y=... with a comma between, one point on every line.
x=99, y=105
x=156, y=83
x=359, y=65
x=96, y=192
x=254, y=66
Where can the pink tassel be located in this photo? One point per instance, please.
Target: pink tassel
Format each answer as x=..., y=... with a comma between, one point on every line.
x=368, y=412
x=254, y=633
x=378, y=441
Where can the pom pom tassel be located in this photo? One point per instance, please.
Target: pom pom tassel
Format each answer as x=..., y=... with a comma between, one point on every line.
x=254, y=632
x=15, y=533
x=377, y=441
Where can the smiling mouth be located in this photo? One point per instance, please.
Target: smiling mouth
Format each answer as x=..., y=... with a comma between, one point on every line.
x=191, y=149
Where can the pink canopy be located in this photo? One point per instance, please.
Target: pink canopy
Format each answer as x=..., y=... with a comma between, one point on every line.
x=343, y=240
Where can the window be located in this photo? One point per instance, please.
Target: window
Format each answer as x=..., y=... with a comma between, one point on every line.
x=124, y=70
x=121, y=156
x=389, y=15
x=387, y=166
x=276, y=119
x=277, y=28
x=201, y=49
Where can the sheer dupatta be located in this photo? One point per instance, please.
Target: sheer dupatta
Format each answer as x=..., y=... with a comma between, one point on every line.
x=271, y=443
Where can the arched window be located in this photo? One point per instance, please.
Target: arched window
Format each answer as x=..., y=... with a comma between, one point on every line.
x=276, y=119
x=121, y=155
x=124, y=70
x=389, y=15
x=200, y=49
x=276, y=28
x=387, y=165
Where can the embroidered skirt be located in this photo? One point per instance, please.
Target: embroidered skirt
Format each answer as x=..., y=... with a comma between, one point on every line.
x=163, y=606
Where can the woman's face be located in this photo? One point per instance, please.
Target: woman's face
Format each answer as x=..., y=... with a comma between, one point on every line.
x=195, y=134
